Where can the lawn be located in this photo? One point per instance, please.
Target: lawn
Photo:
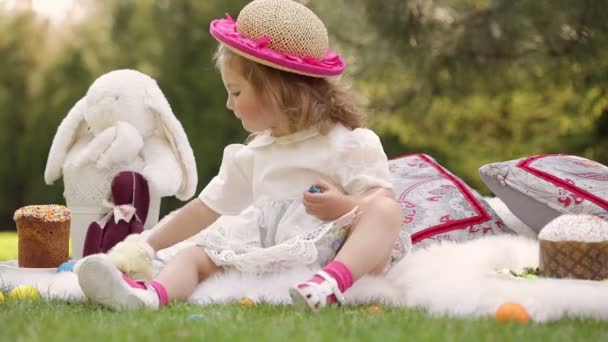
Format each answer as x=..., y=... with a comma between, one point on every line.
x=8, y=246
x=57, y=321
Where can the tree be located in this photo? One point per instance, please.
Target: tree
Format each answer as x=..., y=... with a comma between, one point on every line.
x=20, y=39
x=170, y=41
x=167, y=40
x=472, y=81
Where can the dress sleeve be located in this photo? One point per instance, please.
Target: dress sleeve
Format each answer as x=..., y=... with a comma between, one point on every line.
x=230, y=191
x=361, y=163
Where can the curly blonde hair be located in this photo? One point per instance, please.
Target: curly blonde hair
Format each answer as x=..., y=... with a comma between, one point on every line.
x=304, y=101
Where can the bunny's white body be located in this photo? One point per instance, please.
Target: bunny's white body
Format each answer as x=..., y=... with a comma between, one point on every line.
x=124, y=123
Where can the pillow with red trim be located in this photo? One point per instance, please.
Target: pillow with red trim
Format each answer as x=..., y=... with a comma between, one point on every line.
x=437, y=205
x=537, y=189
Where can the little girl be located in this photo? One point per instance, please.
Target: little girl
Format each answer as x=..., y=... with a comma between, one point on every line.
x=275, y=63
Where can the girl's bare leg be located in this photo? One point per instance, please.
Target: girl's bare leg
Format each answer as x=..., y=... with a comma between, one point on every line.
x=185, y=271
x=367, y=249
x=368, y=246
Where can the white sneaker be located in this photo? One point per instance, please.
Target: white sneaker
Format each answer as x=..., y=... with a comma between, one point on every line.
x=104, y=284
x=314, y=296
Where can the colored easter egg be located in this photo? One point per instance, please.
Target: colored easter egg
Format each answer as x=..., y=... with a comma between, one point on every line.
x=373, y=308
x=1, y=297
x=247, y=302
x=24, y=292
x=511, y=311
x=194, y=317
x=315, y=189
x=67, y=266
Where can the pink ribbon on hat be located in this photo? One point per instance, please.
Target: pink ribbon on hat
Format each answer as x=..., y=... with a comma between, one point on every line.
x=262, y=42
x=226, y=31
x=332, y=59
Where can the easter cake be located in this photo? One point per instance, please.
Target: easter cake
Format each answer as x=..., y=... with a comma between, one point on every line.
x=574, y=246
x=43, y=233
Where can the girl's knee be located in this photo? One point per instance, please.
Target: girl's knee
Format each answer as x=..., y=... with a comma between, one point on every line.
x=385, y=208
x=197, y=256
x=192, y=252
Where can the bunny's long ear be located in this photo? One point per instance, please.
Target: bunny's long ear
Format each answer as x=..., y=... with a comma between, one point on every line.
x=63, y=140
x=174, y=131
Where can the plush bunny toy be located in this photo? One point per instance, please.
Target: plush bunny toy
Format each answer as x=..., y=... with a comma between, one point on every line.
x=123, y=123
x=129, y=209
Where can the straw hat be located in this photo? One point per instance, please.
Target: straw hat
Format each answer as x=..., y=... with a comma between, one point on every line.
x=281, y=34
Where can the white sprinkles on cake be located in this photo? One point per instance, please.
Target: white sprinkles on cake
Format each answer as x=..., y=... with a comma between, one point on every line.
x=575, y=227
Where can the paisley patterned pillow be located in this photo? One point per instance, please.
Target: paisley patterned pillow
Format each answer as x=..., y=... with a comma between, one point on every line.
x=537, y=189
x=437, y=205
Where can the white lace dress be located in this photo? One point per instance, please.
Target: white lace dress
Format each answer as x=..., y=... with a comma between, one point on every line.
x=259, y=191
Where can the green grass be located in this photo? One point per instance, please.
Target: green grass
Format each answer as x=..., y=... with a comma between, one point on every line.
x=54, y=321
x=8, y=246
x=58, y=321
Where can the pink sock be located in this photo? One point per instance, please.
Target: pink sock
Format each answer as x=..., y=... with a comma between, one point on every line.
x=161, y=292
x=340, y=272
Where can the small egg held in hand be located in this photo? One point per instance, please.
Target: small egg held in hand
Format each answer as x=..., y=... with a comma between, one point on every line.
x=247, y=302
x=315, y=189
x=24, y=292
x=511, y=311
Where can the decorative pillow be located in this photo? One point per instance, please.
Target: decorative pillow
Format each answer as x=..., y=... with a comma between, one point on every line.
x=437, y=205
x=538, y=189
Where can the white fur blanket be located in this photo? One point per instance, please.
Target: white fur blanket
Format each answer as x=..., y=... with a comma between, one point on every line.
x=445, y=279
x=455, y=279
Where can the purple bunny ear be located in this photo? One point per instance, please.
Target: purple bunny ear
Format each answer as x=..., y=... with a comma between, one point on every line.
x=92, y=242
x=130, y=187
x=113, y=233
x=122, y=188
x=136, y=227
x=141, y=197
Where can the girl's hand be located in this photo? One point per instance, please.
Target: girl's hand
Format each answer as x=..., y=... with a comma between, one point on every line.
x=328, y=205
